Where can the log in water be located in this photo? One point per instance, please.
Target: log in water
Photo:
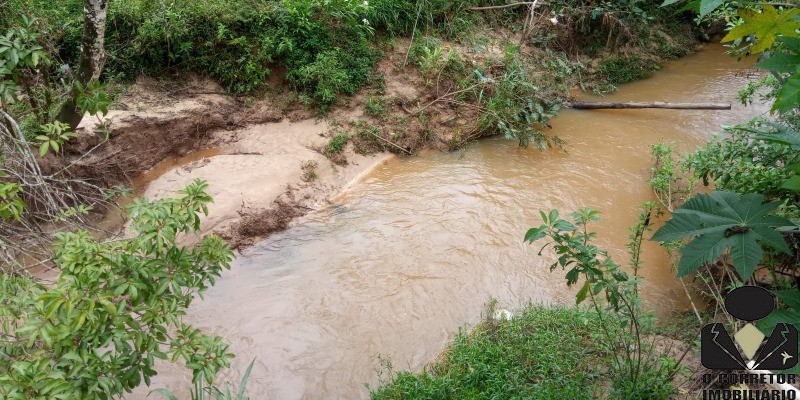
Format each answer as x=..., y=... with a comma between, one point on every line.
x=597, y=105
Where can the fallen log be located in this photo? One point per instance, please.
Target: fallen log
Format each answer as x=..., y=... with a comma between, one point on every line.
x=595, y=105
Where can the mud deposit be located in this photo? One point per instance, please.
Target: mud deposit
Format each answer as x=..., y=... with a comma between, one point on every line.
x=415, y=248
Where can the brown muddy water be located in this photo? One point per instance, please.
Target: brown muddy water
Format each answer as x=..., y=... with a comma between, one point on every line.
x=415, y=249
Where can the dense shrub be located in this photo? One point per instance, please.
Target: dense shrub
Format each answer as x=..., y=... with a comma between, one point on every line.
x=324, y=45
x=506, y=360
x=744, y=160
x=616, y=69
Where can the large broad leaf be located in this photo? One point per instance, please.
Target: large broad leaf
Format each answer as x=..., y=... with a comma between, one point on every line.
x=791, y=43
x=722, y=221
x=766, y=26
x=792, y=183
x=780, y=62
x=789, y=95
x=707, y=6
x=782, y=134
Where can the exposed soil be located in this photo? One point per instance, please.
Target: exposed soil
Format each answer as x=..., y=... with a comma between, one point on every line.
x=263, y=161
x=261, y=177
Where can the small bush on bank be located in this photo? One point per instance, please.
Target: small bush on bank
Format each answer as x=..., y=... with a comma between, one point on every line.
x=541, y=353
x=616, y=70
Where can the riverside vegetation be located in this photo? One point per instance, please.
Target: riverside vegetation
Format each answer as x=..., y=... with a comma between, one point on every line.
x=115, y=306
x=749, y=224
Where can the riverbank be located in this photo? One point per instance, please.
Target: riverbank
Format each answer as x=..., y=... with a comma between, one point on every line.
x=537, y=352
x=271, y=159
x=414, y=250
x=265, y=164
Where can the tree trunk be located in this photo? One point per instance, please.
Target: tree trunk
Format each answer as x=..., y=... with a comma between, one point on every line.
x=590, y=105
x=93, y=56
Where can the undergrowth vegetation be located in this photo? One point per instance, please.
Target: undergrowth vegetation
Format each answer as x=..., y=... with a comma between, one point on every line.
x=328, y=48
x=506, y=358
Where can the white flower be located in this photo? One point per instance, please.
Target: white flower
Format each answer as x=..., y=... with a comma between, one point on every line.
x=554, y=20
x=365, y=21
x=366, y=3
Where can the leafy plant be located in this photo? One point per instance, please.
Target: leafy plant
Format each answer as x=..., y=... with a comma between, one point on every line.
x=11, y=205
x=617, y=70
x=203, y=392
x=745, y=158
x=54, y=135
x=514, y=106
x=434, y=59
x=337, y=143
x=375, y=106
x=639, y=370
x=22, y=62
x=720, y=222
x=666, y=178
x=115, y=308
x=92, y=98
x=506, y=359
x=765, y=26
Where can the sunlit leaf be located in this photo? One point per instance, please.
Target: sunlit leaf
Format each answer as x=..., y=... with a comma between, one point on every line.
x=766, y=26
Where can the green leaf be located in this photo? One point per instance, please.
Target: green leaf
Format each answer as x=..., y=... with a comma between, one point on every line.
x=790, y=297
x=745, y=258
x=789, y=95
x=535, y=234
x=43, y=148
x=164, y=392
x=703, y=250
x=244, y=380
x=564, y=225
x=791, y=43
x=553, y=216
x=780, y=62
x=720, y=221
x=792, y=183
x=766, y=26
x=581, y=296
x=707, y=6
x=782, y=134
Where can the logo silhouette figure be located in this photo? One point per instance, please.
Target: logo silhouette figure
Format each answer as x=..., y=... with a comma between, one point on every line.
x=749, y=303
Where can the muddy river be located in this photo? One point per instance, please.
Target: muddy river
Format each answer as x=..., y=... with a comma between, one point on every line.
x=413, y=250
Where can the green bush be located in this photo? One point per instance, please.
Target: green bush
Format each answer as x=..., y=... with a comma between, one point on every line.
x=515, y=105
x=115, y=309
x=323, y=44
x=337, y=143
x=741, y=160
x=616, y=70
x=507, y=359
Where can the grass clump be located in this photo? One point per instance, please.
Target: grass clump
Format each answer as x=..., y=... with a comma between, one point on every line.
x=375, y=106
x=541, y=353
x=338, y=142
x=616, y=70
x=309, y=168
